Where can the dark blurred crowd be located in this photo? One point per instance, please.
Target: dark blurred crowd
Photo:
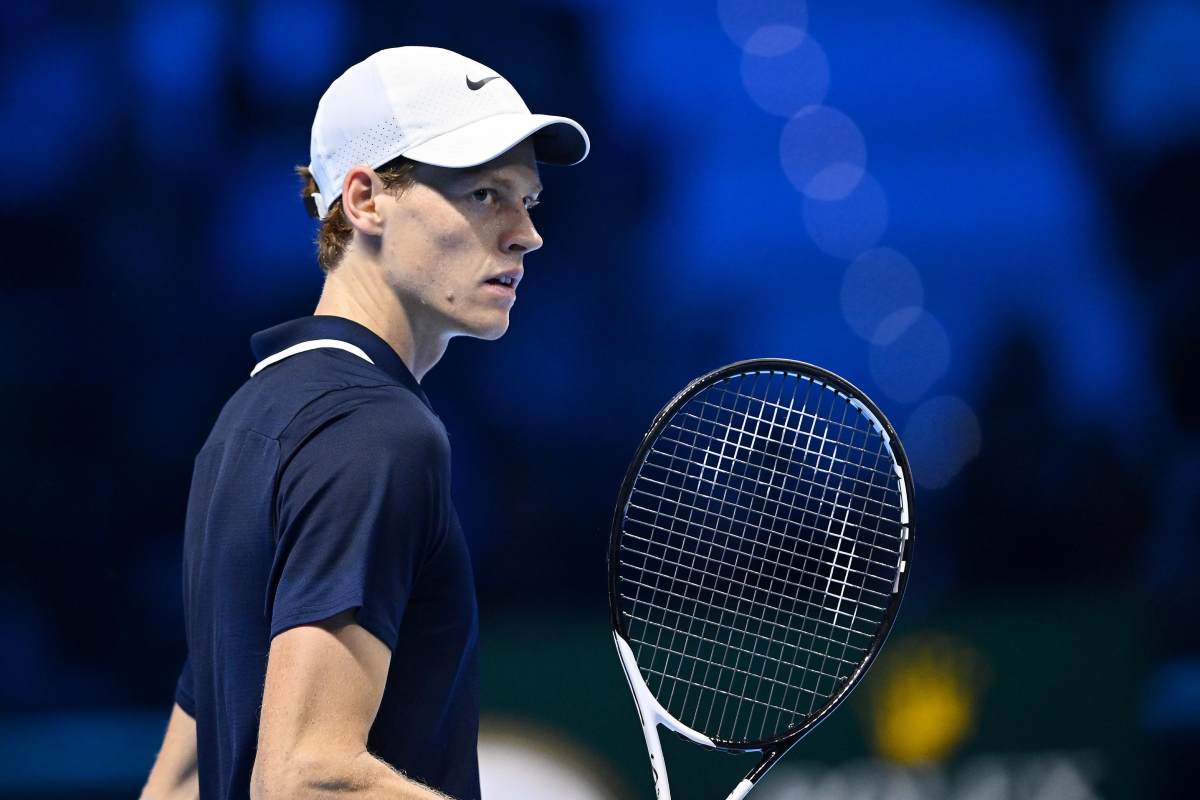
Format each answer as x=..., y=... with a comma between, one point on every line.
x=147, y=151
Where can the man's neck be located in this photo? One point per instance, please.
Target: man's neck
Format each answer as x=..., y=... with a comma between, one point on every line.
x=357, y=292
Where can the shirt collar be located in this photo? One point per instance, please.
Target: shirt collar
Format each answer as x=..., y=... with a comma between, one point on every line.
x=280, y=337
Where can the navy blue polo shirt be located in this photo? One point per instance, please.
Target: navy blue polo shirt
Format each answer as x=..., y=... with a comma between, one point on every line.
x=323, y=487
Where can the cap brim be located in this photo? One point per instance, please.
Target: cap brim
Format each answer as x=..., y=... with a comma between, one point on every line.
x=556, y=140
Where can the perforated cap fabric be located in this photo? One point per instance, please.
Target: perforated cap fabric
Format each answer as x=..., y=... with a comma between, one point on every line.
x=429, y=105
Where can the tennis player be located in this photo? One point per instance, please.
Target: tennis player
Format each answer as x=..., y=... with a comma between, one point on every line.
x=330, y=607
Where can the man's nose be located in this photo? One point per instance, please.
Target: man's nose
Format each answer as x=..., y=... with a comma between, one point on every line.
x=522, y=237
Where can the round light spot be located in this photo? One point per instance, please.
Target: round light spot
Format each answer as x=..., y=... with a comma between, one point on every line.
x=771, y=41
x=878, y=283
x=941, y=437
x=269, y=42
x=521, y=760
x=53, y=111
x=794, y=74
x=823, y=153
x=742, y=18
x=845, y=228
x=909, y=351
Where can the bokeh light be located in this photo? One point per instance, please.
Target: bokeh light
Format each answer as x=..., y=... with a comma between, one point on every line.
x=275, y=235
x=823, y=153
x=878, y=283
x=50, y=113
x=845, y=228
x=175, y=51
x=795, y=74
x=942, y=436
x=278, y=68
x=1149, y=71
x=742, y=18
x=909, y=352
x=521, y=760
x=175, y=58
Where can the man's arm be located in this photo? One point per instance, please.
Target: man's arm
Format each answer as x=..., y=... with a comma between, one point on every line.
x=174, y=775
x=323, y=688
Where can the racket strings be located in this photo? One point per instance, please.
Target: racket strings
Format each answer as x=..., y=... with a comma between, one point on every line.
x=786, y=646
x=754, y=603
x=751, y=553
x=771, y=632
x=797, y=495
x=734, y=520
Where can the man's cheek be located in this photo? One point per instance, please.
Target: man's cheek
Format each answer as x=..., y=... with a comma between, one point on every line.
x=453, y=243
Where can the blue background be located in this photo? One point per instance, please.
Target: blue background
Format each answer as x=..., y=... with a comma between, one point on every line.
x=982, y=213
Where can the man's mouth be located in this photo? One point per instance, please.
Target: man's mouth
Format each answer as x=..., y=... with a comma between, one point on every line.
x=507, y=281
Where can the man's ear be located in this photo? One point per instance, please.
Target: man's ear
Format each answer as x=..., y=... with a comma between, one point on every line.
x=360, y=190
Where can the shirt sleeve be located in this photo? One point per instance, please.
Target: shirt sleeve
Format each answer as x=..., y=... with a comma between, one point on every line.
x=185, y=696
x=354, y=507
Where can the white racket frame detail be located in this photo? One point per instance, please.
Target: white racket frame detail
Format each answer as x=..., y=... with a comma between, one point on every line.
x=652, y=714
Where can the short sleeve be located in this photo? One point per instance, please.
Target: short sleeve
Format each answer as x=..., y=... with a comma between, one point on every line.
x=185, y=693
x=354, y=507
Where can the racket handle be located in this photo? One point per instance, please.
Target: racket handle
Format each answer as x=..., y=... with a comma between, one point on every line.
x=741, y=790
x=658, y=768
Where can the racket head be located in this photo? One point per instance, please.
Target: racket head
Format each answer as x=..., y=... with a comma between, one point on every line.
x=707, y=506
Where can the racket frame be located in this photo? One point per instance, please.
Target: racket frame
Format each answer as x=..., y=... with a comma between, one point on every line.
x=651, y=712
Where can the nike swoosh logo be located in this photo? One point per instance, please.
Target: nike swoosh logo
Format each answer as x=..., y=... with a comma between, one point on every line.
x=475, y=86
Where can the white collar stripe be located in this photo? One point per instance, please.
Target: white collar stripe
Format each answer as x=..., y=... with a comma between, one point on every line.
x=314, y=344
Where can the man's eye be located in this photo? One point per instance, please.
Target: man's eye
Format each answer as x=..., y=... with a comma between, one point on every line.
x=482, y=195
x=529, y=204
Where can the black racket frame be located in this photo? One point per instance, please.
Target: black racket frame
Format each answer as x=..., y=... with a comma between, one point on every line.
x=772, y=749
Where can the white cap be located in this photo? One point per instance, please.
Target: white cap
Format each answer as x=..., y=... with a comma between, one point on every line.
x=429, y=105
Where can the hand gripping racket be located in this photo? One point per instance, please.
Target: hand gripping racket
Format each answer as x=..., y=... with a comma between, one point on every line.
x=759, y=550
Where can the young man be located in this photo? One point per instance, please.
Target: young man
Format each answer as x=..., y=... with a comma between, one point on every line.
x=327, y=584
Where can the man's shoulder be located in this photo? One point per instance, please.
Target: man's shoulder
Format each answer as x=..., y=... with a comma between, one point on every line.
x=325, y=382
x=332, y=399
x=383, y=418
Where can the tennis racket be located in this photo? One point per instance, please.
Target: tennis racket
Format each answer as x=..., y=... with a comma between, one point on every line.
x=759, y=550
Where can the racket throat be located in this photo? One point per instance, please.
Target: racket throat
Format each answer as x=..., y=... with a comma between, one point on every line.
x=646, y=707
x=770, y=757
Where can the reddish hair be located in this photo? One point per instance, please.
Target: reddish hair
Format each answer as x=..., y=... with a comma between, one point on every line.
x=336, y=231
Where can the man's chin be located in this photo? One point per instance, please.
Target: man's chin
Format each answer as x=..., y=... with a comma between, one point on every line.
x=489, y=332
